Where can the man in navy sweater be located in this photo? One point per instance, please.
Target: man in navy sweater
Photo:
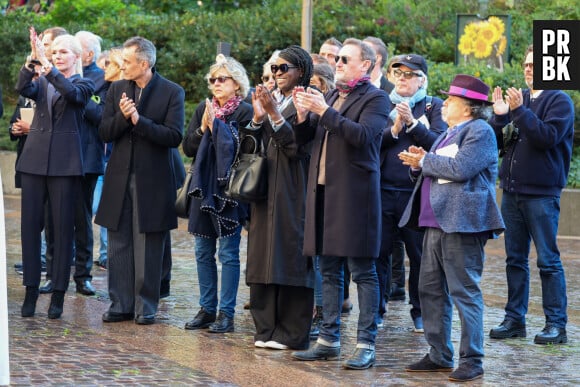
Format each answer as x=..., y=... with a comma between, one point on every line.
x=537, y=152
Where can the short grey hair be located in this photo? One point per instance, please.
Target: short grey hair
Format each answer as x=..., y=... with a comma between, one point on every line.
x=92, y=41
x=367, y=52
x=144, y=49
x=380, y=46
x=479, y=109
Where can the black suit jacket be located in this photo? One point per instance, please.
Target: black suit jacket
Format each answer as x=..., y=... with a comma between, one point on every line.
x=53, y=146
x=145, y=150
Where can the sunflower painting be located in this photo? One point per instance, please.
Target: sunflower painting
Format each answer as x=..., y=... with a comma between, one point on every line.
x=483, y=41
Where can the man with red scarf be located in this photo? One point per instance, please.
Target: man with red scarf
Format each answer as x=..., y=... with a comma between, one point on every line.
x=343, y=203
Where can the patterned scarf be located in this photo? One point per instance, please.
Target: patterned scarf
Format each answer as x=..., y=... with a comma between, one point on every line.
x=349, y=86
x=412, y=100
x=221, y=112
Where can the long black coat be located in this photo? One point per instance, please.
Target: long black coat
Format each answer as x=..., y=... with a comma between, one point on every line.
x=352, y=204
x=276, y=232
x=145, y=149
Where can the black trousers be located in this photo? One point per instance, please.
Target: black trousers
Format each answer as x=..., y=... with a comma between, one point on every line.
x=282, y=313
x=59, y=192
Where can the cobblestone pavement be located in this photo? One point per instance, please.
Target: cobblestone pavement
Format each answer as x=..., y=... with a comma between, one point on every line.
x=79, y=350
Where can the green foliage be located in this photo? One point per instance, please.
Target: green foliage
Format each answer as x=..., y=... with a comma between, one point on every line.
x=186, y=34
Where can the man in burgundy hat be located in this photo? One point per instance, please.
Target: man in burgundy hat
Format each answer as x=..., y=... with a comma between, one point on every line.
x=454, y=202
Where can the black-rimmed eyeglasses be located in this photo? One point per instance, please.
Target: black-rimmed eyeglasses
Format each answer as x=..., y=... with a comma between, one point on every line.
x=283, y=68
x=219, y=79
x=406, y=74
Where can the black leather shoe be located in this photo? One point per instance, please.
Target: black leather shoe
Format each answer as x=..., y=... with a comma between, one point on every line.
x=551, y=335
x=56, y=304
x=317, y=352
x=222, y=324
x=361, y=359
x=202, y=320
x=466, y=372
x=145, y=320
x=397, y=293
x=86, y=288
x=112, y=317
x=29, y=304
x=164, y=289
x=426, y=365
x=48, y=287
x=508, y=329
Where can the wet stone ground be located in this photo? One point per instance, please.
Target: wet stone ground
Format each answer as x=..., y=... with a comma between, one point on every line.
x=80, y=350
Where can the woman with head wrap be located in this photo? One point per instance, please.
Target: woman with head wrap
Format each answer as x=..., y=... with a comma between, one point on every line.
x=281, y=279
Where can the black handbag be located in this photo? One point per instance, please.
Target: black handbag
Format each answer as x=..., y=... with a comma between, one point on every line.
x=248, y=180
x=183, y=200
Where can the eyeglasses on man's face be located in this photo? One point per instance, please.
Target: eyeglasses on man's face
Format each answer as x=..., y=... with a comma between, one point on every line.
x=529, y=64
x=221, y=79
x=283, y=68
x=405, y=74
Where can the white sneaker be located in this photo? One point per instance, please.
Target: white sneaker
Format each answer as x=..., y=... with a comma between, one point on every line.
x=260, y=344
x=275, y=345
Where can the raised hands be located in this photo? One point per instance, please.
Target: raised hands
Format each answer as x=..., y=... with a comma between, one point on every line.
x=310, y=100
x=128, y=108
x=413, y=156
x=208, y=116
x=513, y=100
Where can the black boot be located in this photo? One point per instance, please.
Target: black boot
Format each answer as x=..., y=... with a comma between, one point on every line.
x=29, y=305
x=56, y=303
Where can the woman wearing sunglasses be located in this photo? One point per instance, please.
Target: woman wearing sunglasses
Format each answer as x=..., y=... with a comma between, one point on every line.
x=211, y=140
x=415, y=119
x=281, y=279
x=268, y=79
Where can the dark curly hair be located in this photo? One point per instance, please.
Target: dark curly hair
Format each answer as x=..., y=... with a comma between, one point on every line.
x=301, y=58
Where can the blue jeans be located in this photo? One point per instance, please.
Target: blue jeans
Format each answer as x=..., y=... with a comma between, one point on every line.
x=229, y=256
x=530, y=217
x=364, y=274
x=451, y=270
x=317, y=281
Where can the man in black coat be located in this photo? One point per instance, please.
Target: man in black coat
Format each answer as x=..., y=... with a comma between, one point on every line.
x=343, y=207
x=143, y=118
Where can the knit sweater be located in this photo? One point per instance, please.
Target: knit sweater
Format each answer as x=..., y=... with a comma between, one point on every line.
x=537, y=163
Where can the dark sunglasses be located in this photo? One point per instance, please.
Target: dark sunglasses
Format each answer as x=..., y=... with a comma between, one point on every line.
x=283, y=68
x=343, y=59
x=218, y=79
x=406, y=74
x=266, y=78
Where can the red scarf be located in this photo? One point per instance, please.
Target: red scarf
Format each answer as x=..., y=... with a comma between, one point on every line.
x=352, y=84
x=221, y=112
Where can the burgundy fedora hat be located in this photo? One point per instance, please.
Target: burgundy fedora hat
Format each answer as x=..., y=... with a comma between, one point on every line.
x=469, y=87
